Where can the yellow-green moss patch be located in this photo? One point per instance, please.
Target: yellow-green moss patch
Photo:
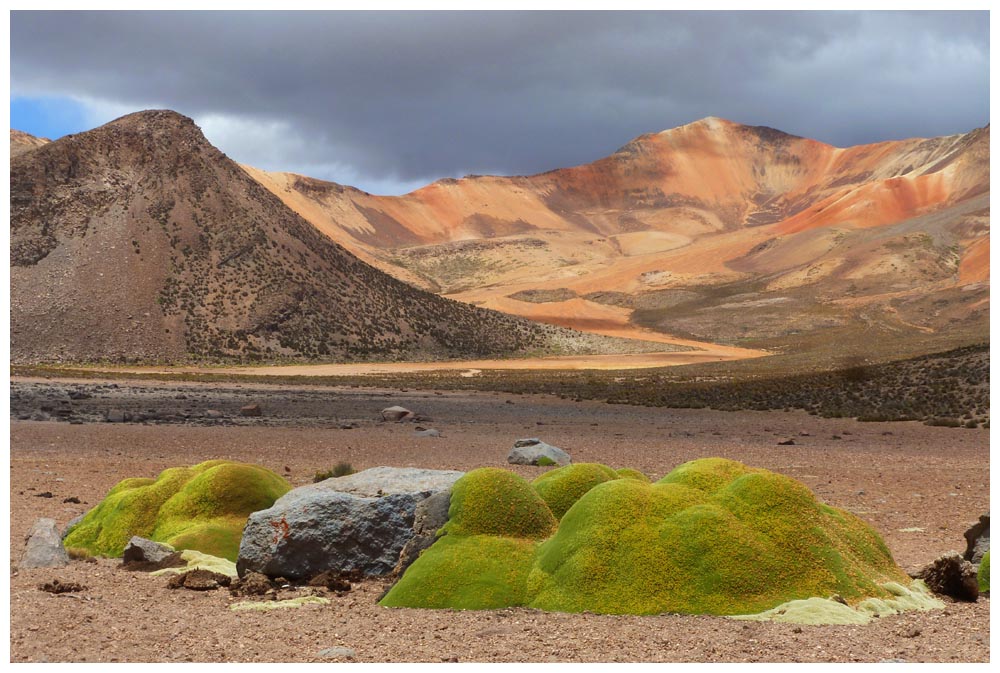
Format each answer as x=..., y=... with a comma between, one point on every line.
x=984, y=572
x=629, y=473
x=266, y=606
x=561, y=488
x=198, y=561
x=480, y=572
x=203, y=507
x=816, y=611
x=491, y=501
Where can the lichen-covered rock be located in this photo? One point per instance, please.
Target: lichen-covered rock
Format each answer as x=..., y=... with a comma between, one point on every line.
x=563, y=487
x=534, y=451
x=951, y=575
x=984, y=572
x=44, y=548
x=712, y=537
x=977, y=539
x=359, y=522
x=202, y=508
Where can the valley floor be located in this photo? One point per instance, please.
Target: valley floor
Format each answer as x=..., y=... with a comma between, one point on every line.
x=919, y=486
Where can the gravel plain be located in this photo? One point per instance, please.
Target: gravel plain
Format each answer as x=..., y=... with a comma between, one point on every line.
x=919, y=486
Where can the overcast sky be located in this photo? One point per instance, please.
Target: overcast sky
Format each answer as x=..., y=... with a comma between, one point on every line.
x=390, y=101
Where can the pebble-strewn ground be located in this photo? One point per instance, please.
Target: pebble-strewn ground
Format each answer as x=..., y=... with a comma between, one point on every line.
x=919, y=486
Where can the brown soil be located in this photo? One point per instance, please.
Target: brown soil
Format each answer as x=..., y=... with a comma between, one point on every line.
x=919, y=486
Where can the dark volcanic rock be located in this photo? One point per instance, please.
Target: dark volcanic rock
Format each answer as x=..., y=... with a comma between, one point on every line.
x=977, y=539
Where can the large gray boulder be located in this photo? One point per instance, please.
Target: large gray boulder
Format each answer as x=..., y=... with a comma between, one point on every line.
x=977, y=539
x=430, y=516
x=359, y=522
x=530, y=451
x=44, y=548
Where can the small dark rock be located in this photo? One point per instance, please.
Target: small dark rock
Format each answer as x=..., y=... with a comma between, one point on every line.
x=46, y=494
x=252, y=584
x=251, y=410
x=911, y=632
x=787, y=442
x=199, y=580
x=58, y=587
x=73, y=499
x=951, y=575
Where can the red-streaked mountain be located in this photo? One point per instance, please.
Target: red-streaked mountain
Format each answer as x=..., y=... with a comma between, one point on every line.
x=713, y=230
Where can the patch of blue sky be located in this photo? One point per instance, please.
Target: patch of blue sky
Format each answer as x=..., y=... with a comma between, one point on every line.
x=49, y=116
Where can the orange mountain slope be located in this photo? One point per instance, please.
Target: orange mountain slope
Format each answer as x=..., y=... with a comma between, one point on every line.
x=714, y=231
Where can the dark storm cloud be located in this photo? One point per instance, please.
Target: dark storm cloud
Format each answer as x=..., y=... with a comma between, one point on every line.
x=410, y=97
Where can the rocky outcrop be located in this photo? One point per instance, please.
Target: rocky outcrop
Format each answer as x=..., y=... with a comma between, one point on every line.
x=951, y=575
x=44, y=547
x=357, y=523
x=531, y=451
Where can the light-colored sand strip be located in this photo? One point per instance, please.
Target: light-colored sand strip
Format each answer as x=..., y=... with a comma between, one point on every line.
x=469, y=367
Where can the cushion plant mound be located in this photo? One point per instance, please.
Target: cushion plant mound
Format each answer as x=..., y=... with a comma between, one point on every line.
x=204, y=508
x=984, y=572
x=712, y=537
x=198, y=561
x=479, y=572
x=561, y=488
x=629, y=473
x=491, y=501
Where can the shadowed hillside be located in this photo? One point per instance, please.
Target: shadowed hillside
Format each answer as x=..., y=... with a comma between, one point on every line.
x=140, y=241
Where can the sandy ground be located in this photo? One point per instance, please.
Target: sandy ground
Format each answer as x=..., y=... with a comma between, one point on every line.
x=919, y=486
x=711, y=353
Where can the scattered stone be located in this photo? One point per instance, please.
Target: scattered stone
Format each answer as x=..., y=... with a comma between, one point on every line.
x=199, y=580
x=787, y=442
x=337, y=581
x=58, y=587
x=358, y=522
x=397, y=414
x=214, y=413
x=430, y=515
x=797, y=629
x=141, y=550
x=338, y=653
x=430, y=432
x=72, y=499
x=78, y=395
x=251, y=410
x=951, y=575
x=450, y=658
x=117, y=416
x=911, y=632
x=46, y=494
x=44, y=547
x=530, y=451
x=252, y=584
x=977, y=539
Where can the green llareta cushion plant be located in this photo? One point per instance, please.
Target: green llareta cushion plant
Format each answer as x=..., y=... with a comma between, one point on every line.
x=482, y=560
x=712, y=537
x=204, y=508
x=561, y=488
x=984, y=572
